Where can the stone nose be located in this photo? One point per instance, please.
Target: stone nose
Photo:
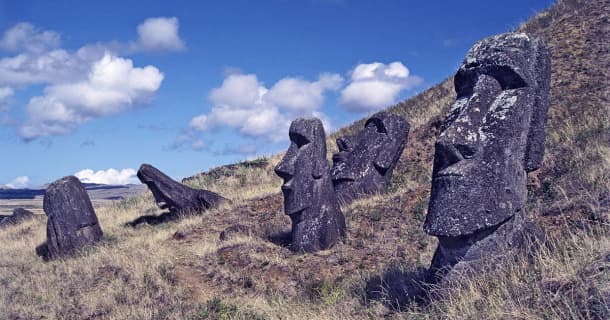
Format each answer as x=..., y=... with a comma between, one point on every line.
x=285, y=169
x=344, y=144
x=448, y=153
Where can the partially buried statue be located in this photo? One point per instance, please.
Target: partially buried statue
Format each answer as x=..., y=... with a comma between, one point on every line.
x=174, y=196
x=365, y=161
x=309, y=198
x=492, y=137
x=71, y=222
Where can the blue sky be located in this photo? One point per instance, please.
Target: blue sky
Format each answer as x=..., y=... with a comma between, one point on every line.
x=90, y=86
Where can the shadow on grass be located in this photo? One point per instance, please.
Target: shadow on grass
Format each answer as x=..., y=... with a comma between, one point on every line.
x=152, y=220
x=399, y=289
x=280, y=238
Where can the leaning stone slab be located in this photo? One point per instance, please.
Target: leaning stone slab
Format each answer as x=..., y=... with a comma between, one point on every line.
x=71, y=222
x=492, y=137
x=309, y=197
x=365, y=161
x=174, y=196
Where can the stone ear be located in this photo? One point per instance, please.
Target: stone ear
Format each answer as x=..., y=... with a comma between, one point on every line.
x=536, y=137
x=320, y=165
x=317, y=171
x=384, y=159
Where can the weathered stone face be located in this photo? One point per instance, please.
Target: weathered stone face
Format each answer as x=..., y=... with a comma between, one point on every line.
x=174, y=196
x=365, y=161
x=72, y=222
x=309, y=198
x=493, y=136
x=485, y=149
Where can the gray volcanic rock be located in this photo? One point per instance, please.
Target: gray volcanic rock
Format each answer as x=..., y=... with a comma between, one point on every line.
x=493, y=136
x=72, y=222
x=174, y=196
x=309, y=197
x=19, y=215
x=234, y=230
x=365, y=161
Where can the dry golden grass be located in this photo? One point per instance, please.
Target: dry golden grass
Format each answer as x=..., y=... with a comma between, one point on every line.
x=144, y=273
x=245, y=180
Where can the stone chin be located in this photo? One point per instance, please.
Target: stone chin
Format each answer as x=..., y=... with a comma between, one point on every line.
x=461, y=206
x=293, y=206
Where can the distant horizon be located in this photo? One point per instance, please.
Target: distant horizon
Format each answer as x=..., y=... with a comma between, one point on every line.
x=193, y=86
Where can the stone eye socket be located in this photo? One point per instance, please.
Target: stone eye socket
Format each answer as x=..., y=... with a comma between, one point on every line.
x=298, y=139
x=466, y=151
x=377, y=125
x=465, y=80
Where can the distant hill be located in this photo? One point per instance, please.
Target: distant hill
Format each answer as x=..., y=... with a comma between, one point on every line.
x=98, y=193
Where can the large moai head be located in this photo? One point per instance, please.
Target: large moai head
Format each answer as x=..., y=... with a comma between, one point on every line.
x=309, y=198
x=492, y=137
x=174, y=196
x=366, y=160
x=72, y=222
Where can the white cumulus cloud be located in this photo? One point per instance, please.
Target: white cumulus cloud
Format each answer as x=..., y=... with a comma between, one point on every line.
x=110, y=176
x=298, y=94
x=156, y=34
x=242, y=102
x=375, y=86
x=19, y=182
x=6, y=94
x=25, y=37
x=91, y=82
x=113, y=85
x=187, y=140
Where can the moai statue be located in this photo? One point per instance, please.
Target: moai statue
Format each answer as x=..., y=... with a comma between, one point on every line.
x=174, y=196
x=19, y=215
x=365, y=161
x=71, y=222
x=492, y=137
x=309, y=198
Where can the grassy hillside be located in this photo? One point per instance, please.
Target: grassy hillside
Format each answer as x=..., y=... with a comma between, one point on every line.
x=182, y=270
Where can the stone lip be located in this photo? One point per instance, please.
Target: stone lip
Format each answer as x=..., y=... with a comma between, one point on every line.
x=72, y=223
x=174, y=196
x=365, y=161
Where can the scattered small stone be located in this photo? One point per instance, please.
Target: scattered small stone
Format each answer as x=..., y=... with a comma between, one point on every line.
x=235, y=229
x=178, y=235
